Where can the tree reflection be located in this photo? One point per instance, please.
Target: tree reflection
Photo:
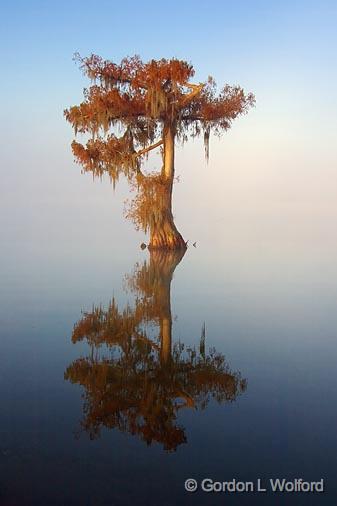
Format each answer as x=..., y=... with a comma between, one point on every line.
x=134, y=378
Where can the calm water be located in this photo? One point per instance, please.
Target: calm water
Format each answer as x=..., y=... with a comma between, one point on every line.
x=123, y=375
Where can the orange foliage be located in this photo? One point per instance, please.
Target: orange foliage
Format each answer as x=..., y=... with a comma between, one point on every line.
x=131, y=105
x=141, y=98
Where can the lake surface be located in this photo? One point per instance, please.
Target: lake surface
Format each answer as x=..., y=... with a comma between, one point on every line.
x=124, y=374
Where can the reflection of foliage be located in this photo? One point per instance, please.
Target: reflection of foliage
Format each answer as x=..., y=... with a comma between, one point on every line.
x=136, y=393
x=137, y=383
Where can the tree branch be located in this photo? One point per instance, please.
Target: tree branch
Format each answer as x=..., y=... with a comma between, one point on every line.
x=192, y=117
x=124, y=80
x=196, y=88
x=145, y=150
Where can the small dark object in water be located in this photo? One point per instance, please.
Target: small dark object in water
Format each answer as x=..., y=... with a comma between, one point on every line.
x=143, y=245
x=195, y=244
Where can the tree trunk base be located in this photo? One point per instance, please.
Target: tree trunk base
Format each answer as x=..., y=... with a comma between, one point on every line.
x=167, y=245
x=166, y=237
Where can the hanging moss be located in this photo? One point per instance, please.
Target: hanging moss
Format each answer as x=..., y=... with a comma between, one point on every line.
x=150, y=205
x=206, y=142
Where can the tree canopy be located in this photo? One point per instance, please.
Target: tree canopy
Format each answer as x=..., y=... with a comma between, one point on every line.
x=133, y=107
x=141, y=97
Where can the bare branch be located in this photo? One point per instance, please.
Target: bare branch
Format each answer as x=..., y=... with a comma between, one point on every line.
x=196, y=89
x=145, y=150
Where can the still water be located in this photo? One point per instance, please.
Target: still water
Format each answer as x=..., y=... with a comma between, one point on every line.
x=122, y=378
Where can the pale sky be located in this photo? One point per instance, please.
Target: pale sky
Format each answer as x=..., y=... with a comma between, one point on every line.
x=273, y=173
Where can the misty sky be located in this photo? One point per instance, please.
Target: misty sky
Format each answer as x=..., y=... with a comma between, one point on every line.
x=273, y=174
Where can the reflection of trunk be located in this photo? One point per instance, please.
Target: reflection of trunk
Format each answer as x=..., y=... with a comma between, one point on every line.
x=162, y=266
x=166, y=338
x=164, y=233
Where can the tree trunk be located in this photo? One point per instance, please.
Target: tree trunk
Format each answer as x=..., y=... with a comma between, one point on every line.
x=164, y=233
